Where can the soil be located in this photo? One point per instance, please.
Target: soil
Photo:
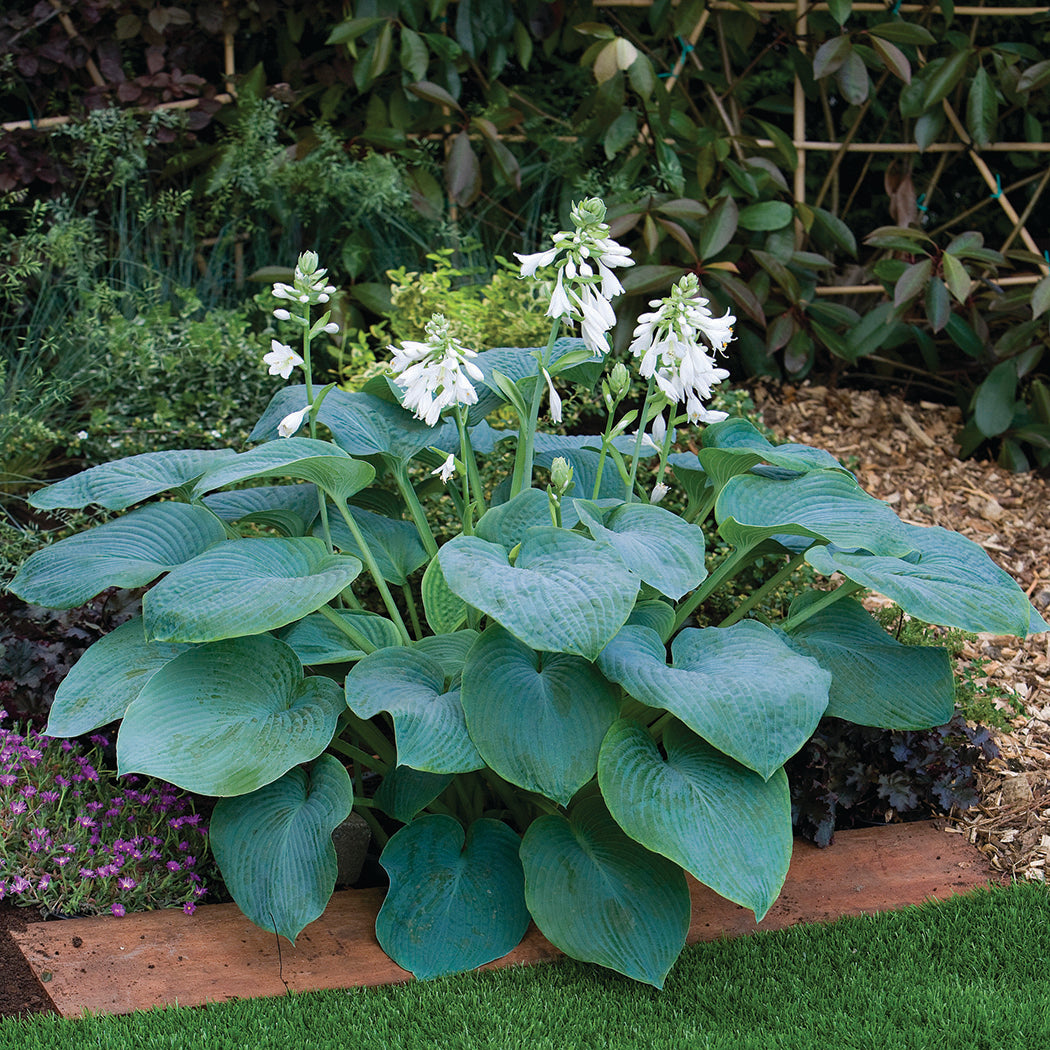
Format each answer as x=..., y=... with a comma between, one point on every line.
x=904, y=453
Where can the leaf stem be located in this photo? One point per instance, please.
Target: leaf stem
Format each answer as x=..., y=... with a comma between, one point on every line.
x=642, y=423
x=844, y=590
x=371, y=734
x=764, y=591
x=523, y=454
x=415, y=508
x=726, y=571
x=413, y=613
x=348, y=629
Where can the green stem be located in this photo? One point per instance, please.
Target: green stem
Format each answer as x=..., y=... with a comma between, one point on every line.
x=377, y=576
x=360, y=757
x=726, y=571
x=699, y=516
x=656, y=730
x=415, y=508
x=348, y=629
x=413, y=613
x=844, y=590
x=523, y=454
x=380, y=836
x=471, y=478
x=371, y=734
x=642, y=422
x=764, y=591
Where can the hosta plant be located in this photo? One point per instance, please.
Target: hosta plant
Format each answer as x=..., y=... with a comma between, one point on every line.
x=560, y=733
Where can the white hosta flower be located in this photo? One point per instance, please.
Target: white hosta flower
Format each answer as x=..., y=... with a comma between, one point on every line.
x=585, y=282
x=555, y=399
x=435, y=374
x=289, y=426
x=282, y=314
x=659, y=491
x=331, y=328
x=668, y=342
x=281, y=359
x=446, y=470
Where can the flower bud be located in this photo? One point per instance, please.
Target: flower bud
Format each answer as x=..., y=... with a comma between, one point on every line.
x=308, y=263
x=586, y=212
x=282, y=315
x=619, y=381
x=561, y=475
x=331, y=328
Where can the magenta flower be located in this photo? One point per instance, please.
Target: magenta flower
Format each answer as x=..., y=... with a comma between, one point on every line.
x=189, y=907
x=117, y=909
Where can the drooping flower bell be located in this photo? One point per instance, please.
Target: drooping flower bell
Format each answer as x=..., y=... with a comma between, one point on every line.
x=668, y=342
x=435, y=374
x=585, y=283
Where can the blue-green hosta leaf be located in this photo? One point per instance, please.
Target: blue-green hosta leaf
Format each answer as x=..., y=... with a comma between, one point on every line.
x=507, y=523
x=274, y=846
x=245, y=587
x=564, y=594
x=742, y=688
x=429, y=729
x=657, y=615
x=690, y=474
x=450, y=650
x=228, y=717
x=724, y=824
x=361, y=424
x=395, y=545
x=106, y=679
x=949, y=580
x=300, y=500
x=127, y=552
x=316, y=640
x=824, y=503
x=118, y=484
x=456, y=901
x=445, y=611
x=601, y=897
x=663, y=550
x=875, y=681
x=320, y=462
x=538, y=719
x=405, y=791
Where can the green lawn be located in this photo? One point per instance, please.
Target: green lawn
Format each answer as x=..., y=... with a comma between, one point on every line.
x=970, y=973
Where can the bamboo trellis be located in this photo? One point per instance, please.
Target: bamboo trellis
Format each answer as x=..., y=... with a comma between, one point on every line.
x=804, y=145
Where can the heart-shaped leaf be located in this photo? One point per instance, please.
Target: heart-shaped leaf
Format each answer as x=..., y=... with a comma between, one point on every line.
x=321, y=462
x=507, y=523
x=405, y=791
x=106, y=679
x=244, y=587
x=228, y=717
x=445, y=611
x=875, y=681
x=456, y=901
x=274, y=845
x=538, y=719
x=395, y=545
x=663, y=550
x=316, y=640
x=118, y=484
x=823, y=503
x=128, y=552
x=723, y=823
x=565, y=593
x=429, y=728
x=601, y=897
x=949, y=580
x=742, y=688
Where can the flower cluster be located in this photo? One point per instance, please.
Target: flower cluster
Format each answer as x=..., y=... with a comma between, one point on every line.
x=309, y=285
x=75, y=842
x=585, y=284
x=668, y=342
x=435, y=374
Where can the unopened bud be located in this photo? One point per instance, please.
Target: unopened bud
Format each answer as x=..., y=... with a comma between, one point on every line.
x=282, y=315
x=586, y=212
x=619, y=381
x=308, y=263
x=561, y=475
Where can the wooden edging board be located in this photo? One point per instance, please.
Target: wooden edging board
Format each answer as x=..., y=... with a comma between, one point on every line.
x=110, y=966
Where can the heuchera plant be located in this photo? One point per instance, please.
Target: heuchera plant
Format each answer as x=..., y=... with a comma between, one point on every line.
x=557, y=737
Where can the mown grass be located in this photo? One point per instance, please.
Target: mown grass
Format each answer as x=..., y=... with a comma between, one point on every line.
x=966, y=974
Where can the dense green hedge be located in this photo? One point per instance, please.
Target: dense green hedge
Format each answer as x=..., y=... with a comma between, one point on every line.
x=378, y=131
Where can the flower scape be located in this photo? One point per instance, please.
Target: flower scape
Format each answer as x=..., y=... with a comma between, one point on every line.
x=560, y=725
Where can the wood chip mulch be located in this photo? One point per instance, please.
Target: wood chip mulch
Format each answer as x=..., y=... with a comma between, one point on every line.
x=906, y=454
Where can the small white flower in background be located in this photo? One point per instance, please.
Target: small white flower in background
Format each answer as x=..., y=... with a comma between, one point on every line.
x=659, y=491
x=435, y=374
x=668, y=342
x=289, y=426
x=82, y=435
x=447, y=469
x=585, y=282
x=281, y=359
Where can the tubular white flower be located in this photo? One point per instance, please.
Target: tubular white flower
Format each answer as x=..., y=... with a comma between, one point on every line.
x=580, y=294
x=282, y=315
x=447, y=469
x=667, y=341
x=331, y=328
x=281, y=359
x=659, y=491
x=289, y=426
x=436, y=374
x=555, y=399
